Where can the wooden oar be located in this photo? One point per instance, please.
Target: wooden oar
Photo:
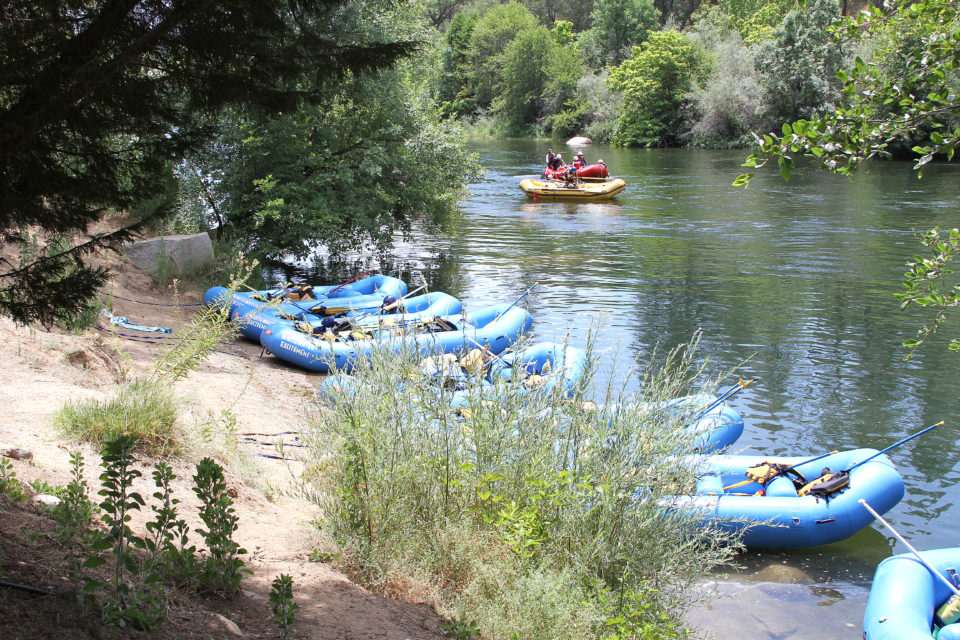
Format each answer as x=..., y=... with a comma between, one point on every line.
x=916, y=553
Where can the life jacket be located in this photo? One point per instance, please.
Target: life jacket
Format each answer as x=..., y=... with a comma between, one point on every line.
x=827, y=484
x=300, y=293
x=437, y=325
x=766, y=472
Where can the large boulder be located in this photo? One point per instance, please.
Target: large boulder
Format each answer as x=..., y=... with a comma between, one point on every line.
x=186, y=253
x=579, y=140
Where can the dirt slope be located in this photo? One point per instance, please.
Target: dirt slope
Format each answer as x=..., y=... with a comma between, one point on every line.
x=43, y=370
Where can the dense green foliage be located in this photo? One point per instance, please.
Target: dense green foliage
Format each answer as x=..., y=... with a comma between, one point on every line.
x=654, y=83
x=742, y=66
x=617, y=27
x=100, y=102
x=801, y=62
x=535, y=515
x=370, y=159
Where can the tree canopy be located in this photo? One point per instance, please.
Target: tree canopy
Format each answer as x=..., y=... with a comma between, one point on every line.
x=96, y=99
x=654, y=82
x=368, y=160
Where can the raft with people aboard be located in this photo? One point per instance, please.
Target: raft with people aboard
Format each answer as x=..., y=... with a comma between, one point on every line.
x=793, y=502
x=556, y=168
x=322, y=349
x=594, y=171
x=564, y=191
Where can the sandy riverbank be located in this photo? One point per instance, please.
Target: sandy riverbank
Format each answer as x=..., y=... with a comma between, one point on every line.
x=44, y=370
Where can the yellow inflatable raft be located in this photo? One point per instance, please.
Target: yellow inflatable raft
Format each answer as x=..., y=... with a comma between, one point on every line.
x=559, y=191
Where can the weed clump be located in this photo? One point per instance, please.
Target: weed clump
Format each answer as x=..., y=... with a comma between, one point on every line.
x=534, y=515
x=146, y=410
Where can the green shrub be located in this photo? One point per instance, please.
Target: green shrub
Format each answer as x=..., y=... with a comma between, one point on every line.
x=529, y=513
x=143, y=409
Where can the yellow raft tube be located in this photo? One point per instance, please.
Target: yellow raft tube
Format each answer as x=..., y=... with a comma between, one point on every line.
x=558, y=191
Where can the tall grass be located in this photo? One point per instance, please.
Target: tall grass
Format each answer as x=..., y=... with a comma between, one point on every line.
x=146, y=410
x=529, y=513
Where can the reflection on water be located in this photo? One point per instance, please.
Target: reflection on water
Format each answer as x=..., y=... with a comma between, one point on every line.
x=794, y=281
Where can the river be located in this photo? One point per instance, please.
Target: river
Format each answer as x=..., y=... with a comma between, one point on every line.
x=792, y=282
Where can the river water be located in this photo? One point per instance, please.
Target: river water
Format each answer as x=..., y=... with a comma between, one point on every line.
x=793, y=282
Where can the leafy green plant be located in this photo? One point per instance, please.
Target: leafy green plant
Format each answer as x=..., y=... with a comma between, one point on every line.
x=460, y=629
x=222, y=570
x=170, y=556
x=321, y=556
x=43, y=487
x=208, y=329
x=9, y=485
x=928, y=283
x=284, y=608
x=167, y=271
x=655, y=83
x=127, y=600
x=71, y=529
x=640, y=619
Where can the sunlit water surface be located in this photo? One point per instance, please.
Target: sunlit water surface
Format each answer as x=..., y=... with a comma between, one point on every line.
x=793, y=282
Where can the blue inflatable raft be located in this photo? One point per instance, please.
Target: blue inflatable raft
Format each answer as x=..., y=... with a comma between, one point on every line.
x=494, y=328
x=365, y=293
x=905, y=596
x=775, y=516
x=402, y=311
x=540, y=368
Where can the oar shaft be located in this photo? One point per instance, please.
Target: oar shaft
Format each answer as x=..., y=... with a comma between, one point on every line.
x=896, y=444
x=348, y=282
x=929, y=566
x=803, y=462
x=742, y=384
x=522, y=296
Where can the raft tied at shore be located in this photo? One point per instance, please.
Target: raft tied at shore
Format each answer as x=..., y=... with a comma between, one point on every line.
x=494, y=328
x=908, y=602
x=775, y=515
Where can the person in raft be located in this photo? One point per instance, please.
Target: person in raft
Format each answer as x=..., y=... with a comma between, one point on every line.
x=579, y=162
x=570, y=178
x=550, y=157
x=557, y=162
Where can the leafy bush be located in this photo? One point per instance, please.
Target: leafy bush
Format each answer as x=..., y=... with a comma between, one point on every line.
x=530, y=513
x=655, y=83
x=143, y=569
x=223, y=569
x=799, y=64
x=617, y=27
x=603, y=106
